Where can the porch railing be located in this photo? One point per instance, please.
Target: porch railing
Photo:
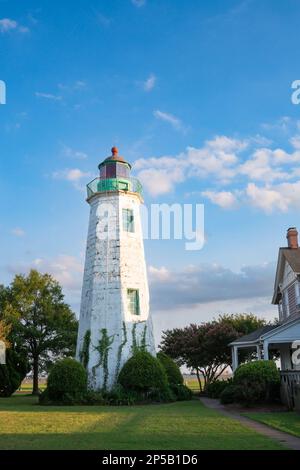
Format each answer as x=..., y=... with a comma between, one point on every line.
x=290, y=383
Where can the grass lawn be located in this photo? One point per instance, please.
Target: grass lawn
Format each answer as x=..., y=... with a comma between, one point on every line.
x=175, y=426
x=284, y=421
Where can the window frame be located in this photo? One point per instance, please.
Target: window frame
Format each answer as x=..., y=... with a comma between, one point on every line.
x=128, y=225
x=133, y=305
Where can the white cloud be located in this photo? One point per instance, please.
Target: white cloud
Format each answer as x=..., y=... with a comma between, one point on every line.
x=66, y=269
x=48, y=96
x=170, y=119
x=218, y=158
x=73, y=174
x=262, y=177
x=78, y=85
x=280, y=197
x=71, y=153
x=18, y=232
x=7, y=25
x=138, y=3
x=224, y=199
x=149, y=84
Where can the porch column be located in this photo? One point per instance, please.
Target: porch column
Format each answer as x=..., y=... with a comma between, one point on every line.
x=258, y=350
x=235, y=358
x=266, y=351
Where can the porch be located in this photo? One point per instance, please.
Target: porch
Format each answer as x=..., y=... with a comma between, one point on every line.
x=280, y=342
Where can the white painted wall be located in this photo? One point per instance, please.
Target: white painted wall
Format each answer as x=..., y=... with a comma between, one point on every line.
x=112, y=266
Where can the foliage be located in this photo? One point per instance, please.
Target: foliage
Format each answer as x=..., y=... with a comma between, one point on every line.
x=256, y=381
x=104, y=345
x=85, y=351
x=228, y=395
x=120, y=348
x=5, y=330
x=181, y=392
x=67, y=381
x=243, y=323
x=203, y=348
x=41, y=322
x=144, y=373
x=215, y=389
x=171, y=368
x=12, y=373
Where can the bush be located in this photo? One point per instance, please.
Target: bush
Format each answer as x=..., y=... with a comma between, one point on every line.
x=228, y=395
x=143, y=373
x=256, y=382
x=67, y=382
x=12, y=373
x=171, y=368
x=214, y=389
x=181, y=392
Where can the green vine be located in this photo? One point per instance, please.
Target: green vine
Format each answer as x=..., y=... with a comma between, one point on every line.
x=143, y=342
x=134, y=341
x=136, y=346
x=104, y=345
x=84, y=355
x=120, y=349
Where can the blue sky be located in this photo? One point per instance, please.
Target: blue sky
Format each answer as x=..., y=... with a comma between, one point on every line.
x=196, y=94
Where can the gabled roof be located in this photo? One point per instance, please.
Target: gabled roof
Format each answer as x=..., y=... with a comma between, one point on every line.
x=254, y=336
x=292, y=256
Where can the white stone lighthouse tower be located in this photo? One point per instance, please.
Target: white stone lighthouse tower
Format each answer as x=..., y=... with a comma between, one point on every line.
x=114, y=314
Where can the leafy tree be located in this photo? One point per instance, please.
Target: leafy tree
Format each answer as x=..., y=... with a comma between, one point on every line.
x=243, y=323
x=203, y=348
x=41, y=321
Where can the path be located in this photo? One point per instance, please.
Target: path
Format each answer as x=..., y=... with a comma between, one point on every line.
x=292, y=442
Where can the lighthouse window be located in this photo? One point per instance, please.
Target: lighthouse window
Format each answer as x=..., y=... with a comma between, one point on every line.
x=133, y=301
x=128, y=220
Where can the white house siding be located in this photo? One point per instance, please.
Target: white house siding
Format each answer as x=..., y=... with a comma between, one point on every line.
x=290, y=292
x=112, y=266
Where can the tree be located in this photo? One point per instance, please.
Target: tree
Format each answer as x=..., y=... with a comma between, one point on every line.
x=16, y=365
x=204, y=348
x=243, y=323
x=41, y=321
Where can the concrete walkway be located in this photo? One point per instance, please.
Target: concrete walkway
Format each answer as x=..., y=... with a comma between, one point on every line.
x=287, y=440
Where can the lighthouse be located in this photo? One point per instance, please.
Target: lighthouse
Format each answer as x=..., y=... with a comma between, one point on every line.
x=114, y=315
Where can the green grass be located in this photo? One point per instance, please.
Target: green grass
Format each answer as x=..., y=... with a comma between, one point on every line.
x=175, y=426
x=284, y=421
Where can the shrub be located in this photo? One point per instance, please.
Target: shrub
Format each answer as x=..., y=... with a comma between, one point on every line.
x=143, y=373
x=256, y=382
x=171, y=368
x=181, y=392
x=161, y=395
x=12, y=373
x=214, y=389
x=228, y=395
x=67, y=381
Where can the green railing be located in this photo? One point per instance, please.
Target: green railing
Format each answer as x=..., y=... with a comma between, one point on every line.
x=99, y=185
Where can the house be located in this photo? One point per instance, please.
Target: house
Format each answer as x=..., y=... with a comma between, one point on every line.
x=283, y=337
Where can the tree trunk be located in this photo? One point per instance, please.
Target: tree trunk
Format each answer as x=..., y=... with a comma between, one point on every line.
x=199, y=380
x=35, y=389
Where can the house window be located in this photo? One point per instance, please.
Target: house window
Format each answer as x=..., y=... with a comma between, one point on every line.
x=128, y=220
x=133, y=301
